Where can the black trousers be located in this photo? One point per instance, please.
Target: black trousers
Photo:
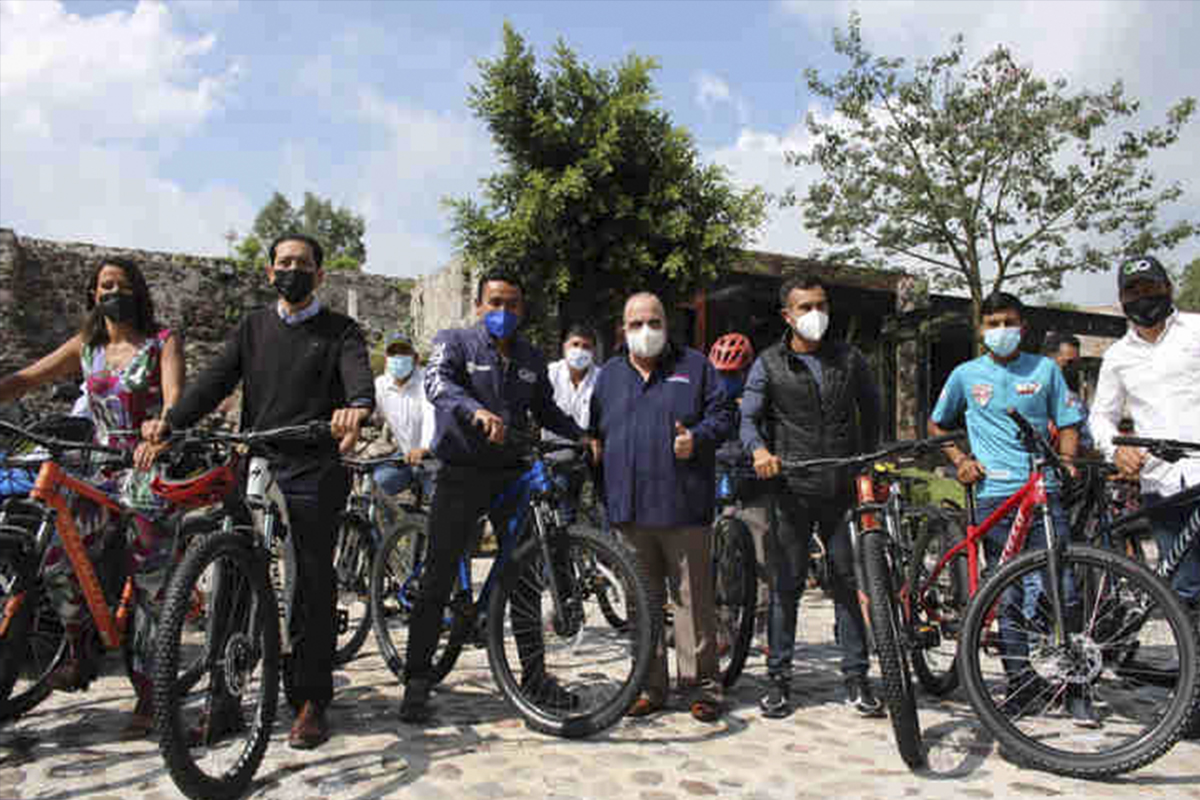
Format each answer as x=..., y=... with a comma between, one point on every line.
x=461, y=496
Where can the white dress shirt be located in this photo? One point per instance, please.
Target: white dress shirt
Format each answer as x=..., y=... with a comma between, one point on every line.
x=573, y=400
x=1159, y=384
x=408, y=414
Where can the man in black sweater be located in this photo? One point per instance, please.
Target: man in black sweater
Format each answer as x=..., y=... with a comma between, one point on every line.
x=298, y=362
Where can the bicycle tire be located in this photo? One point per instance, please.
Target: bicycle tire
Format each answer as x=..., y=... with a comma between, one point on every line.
x=249, y=639
x=394, y=590
x=582, y=678
x=352, y=571
x=943, y=607
x=33, y=642
x=734, y=595
x=1127, y=579
x=590, y=517
x=888, y=635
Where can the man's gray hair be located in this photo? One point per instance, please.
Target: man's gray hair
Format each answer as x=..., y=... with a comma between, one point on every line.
x=644, y=296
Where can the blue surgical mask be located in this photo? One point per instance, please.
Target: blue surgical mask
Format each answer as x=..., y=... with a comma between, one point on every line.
x=1002, y=342
x=502, y=323
x=399, y=367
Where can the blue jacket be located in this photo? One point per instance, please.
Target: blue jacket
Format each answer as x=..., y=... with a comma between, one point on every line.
x=644, y=483
x=465, y=373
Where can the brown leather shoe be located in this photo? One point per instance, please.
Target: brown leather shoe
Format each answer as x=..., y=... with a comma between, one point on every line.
x=310, y=728
x=645, y=705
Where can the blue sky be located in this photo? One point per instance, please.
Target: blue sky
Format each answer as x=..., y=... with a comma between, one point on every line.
x=164, y=125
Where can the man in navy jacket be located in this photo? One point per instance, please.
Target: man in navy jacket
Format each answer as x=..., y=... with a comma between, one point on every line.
x=660, y=412
x=484, y=381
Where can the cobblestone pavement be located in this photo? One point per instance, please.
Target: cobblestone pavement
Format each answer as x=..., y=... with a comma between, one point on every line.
x=478, y=748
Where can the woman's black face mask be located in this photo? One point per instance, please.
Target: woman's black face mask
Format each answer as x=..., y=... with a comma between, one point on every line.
x=118, y=306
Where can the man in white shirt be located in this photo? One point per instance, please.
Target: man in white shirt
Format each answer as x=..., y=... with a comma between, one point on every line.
x=573, y=378
x=1154, y=371
x=400, y=401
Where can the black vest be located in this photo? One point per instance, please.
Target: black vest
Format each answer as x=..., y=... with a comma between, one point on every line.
x=801, y=421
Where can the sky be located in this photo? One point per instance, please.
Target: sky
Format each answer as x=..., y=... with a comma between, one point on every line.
x=165, y=125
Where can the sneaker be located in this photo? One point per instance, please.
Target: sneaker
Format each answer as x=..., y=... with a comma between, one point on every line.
x=414, y=707
x=861, y=698
x=547, y=691
x=776, y=703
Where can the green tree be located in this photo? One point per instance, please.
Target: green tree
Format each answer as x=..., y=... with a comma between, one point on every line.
x=339, y=230
x=1187, y=292
x=986, y=175
x=599, y=194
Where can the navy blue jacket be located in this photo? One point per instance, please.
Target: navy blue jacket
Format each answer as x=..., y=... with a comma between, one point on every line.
x=465, y=373
x=644, y=483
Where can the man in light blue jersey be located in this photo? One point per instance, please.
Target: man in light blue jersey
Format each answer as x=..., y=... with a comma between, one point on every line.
x=982, y=391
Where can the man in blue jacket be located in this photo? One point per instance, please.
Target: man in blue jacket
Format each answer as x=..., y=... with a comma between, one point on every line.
x=483, y=381
x=660, y=412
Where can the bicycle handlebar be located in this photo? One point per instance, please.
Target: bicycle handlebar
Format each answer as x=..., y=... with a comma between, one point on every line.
x=1170, y=450
x=56, y=445
x=308, y=430
x=913, y=446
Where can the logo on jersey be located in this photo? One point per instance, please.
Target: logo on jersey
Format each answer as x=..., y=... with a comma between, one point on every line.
x=982, y=392
x=527, y=375
x=1026, y=389
x=472, y=367
x=679, y=378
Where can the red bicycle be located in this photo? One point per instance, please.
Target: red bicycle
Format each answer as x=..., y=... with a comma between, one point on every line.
x=1056, y=626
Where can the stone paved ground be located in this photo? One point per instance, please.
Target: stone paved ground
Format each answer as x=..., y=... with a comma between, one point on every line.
x=479, y=749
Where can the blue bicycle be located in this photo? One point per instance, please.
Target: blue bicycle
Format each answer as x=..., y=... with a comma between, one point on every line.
x=547, y=582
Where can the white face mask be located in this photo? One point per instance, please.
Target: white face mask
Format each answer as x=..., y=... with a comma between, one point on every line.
x=646, y=342
x=579, y=358
x=812, y=326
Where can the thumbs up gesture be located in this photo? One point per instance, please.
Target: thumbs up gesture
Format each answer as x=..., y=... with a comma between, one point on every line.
x=684, y=442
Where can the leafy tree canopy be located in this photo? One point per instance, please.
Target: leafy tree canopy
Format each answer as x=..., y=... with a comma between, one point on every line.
x=599, y=193
x=339, y=230
x=1187, y=287
x=986, y=175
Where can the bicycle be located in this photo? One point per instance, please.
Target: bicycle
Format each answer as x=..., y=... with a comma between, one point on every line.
x=882, y=550
x=118, y=611
x=735, y=578
x=603, y=666
x=1057, y=626
x=214, y=733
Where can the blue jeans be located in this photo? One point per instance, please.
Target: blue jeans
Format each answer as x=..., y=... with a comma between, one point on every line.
x=1167, y=526
x=1021, y=609
x=788, y=532
x=394, y=479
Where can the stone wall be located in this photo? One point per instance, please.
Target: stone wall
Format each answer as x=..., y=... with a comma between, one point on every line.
x=42, y=297
x=444, y=299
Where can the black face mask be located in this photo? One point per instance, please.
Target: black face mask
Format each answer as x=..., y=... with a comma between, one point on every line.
x=294, y=285
x=118, y=306
x=1148, y=311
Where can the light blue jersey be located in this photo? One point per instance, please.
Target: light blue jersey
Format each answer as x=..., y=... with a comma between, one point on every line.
x=986, y=389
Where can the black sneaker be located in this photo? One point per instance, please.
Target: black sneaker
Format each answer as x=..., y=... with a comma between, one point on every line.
x=546, y=691
x=414, y=708
x=861, y=698
x=776, y=703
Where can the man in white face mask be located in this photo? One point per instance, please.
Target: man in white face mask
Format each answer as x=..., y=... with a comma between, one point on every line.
x=660, y=411
x=408, y=416
x=807, y=397
x=573, y=377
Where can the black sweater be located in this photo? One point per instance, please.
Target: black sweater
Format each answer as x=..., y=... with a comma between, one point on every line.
x=291, y=375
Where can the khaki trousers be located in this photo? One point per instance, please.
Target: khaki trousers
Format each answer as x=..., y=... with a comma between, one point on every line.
x=684, y=554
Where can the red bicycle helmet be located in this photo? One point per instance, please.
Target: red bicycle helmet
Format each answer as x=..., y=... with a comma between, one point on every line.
x=732, y=351
x=206, y=488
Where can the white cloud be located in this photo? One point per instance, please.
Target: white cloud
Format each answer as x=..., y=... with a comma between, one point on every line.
x=89, y=106
x=713, y=91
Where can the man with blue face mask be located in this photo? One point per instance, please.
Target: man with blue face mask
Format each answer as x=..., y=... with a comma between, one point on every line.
x=484, y=381
x=999, y=465
x=408, y=416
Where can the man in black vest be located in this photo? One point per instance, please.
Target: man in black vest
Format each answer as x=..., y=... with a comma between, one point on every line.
x=807, y=397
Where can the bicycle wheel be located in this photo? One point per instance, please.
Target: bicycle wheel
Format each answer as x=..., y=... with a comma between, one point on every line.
x=734, y=595
x=589, y=517
x=32, y=643
x=575, y=675
x=937, y=608
x=1028, y=688
x=888, y=634
x=395, y=583
x=213, y=735
x=353, y=556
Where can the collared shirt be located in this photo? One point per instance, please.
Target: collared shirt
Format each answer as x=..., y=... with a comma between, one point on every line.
x=408, y=414
x=1159, y=384
x=985, y=389
x=571, y=398
x=308, y=312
